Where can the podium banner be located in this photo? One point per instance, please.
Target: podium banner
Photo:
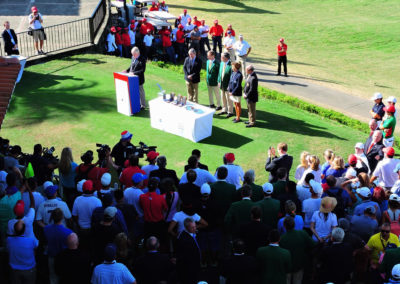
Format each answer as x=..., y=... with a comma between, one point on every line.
x=127, y=93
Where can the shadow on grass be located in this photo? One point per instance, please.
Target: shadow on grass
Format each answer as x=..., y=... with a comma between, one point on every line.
x=238, y=4
x=40, y=101
x=225, y=138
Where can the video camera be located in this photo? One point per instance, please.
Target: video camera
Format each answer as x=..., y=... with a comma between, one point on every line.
x=143, y=149
x=101, y=152
x=48, y=155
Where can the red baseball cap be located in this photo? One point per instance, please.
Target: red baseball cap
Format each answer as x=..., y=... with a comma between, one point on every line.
x=19, y=208
x=282, y=39
x=148, y=30
x=179, y=18
x=152, y=154
x=230, y=157
x=189, y=20
x=113, y=29
x=166, y=33
x=34, y=9
x=132, y=21
x=180, y=26
x=195, y=17
x=352, y=159
x=390, y=108
x=215, y=21
x=144, y=20
x=87, y=186
x=389, y=151
x=118, y=29
x=153, y=3
x=184, y=10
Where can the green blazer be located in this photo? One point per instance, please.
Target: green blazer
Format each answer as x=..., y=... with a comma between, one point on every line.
x=273, y=264
x=270, y=210
x=212, y=73
x=238, y=214
x=223, y=194
x=223, y=79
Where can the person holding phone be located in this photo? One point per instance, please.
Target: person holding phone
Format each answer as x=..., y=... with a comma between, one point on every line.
x=35, y=24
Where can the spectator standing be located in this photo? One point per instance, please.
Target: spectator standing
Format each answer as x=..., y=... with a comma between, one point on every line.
x=212, y=69
x=10, y=40
x=118, y=41
x=311, y=204
x=190, y=192
x=180, y=42
x=7, y=203
x=282, y=59
x=299, y=244
x=127, y=210
x=290, y=210
x=257, y=190
x=163, y=173
x=216, y=32
x=126, y=42
x=385, y=171
x=323, y=220
x=167, y=44
x=373, y=150
x=35, y=24
x=362, y=161
x=388, y=126
x=204, y=29
x=229, y=28
x=391, y=101
x=242, y=50
x=67, y=169
x=110, y=271
x=390, y=260
x=365, y=225
x=43, y=215
x=228, y=42
x=138, y=67
x=119, y=151
x=128, y=173
x=195, y=37
x=90, y=171
x=148, y=44
x=163, y=7
x=303, y=189
x=274, y=162
x=302, y=167
x=202, y=176
x=105, y=188
x=377, y=112
x=251, y=95
x=340, y=194
x=171, y=198
x=314, y=168
x=192, y=68
x=273, y=261
x=235, y=90
x=392, y=215
x=178, y=221
x=151, y=158
x=185, y=17
x=365, y=194
x=235, y=172
x=19, y=215
x=225, y=71
x=270, y=207
x=132, y=33
x=73, y=259
x=153, y=7
x=196, y=21
x=21, y=251
x=132, y=194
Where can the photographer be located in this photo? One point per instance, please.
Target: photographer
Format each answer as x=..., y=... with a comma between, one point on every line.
x=127, y=174
x=35, y=24
x=122, y=150
x=90, y=171
x=43, y=163
x=11, y=163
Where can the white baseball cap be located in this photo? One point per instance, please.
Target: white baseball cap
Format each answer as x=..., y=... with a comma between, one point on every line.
x=205, y=189
x=377, y=96
x=396, y=272
x=391, y=99
x=364, y=191
x=106, y=179
x=316, y=186
x=359, y=145
x=394, y=197
x=268, y=188
x=46, y=184
x=80, y=185
x=351, y=172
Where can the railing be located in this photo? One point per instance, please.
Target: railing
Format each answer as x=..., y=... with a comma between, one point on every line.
x=63, y=36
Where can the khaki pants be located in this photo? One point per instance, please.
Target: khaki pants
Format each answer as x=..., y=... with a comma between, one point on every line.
x=242, y=60
x=226, y=101
x=295, y=278
x=192, y=91
x=142, y=96
x=252, y=112
x=214, y=90
x=231, y=54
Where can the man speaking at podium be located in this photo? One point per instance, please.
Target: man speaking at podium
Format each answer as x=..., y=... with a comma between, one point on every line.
x=138, y=67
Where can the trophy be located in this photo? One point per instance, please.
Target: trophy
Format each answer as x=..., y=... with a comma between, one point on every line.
x=172, y=96
x=183, y=101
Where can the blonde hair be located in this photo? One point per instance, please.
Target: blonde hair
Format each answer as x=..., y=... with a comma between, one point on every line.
x=121, y=242
x=364, y=180
x=329, y=155
x=303, y=159
x=314, y=163
x=338, y=163
x=66, y=159
x=236, y=65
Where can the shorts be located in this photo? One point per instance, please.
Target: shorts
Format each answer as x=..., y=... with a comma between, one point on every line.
x=38, y=35
x=388, y=142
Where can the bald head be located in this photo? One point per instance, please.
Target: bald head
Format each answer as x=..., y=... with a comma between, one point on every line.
x=152, y=244
x=72, y=241
x=372, y=125
x=377, y=136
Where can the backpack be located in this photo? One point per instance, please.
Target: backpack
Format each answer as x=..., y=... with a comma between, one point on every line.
x=340, y=209
x=83, y=175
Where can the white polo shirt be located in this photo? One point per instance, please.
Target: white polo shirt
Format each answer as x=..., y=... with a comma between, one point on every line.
x=148, y=40
x=45, y=209
x=384, y=171
x=229, y=41
x=203, y=29
x=241, y=47
x=184, y=19
x=203, y=177
x=235, y=175
x=84, y=206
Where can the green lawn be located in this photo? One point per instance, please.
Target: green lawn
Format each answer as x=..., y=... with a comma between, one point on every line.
x=348, y=44
x=71, y=102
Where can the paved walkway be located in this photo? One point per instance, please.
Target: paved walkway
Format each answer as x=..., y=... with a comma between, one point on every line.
x=312, y=92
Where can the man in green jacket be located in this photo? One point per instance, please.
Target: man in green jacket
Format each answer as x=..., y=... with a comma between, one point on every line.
x=225, y=70
x=299, y=244
x=212, y=80
x=390, y=259
x=273, y=262
x=239, y=212
x=270, y=207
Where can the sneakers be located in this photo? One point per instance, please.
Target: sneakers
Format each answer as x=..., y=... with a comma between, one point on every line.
x=218, y=108
x=229, y=115
x=222, y=113
x=236, y=120
x=41, y=52
x=211, y=106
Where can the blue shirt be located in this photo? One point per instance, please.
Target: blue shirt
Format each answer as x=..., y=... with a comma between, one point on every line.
x=68, y=180
x=359, y=210
x=345, y=196
x=203, y=177
x=115, y=273
x=363, y=226
x=298, y=224
x=56, y=236
x=22, y=252
x=378, y=108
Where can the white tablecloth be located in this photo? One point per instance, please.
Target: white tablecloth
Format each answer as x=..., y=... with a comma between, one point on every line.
x=180, y=121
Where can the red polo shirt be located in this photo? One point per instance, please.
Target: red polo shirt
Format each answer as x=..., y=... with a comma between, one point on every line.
x=216, y=30
x=232, y=32
x=144, y=27
x=180, y=36
x=197, y=23
x=279, y=48
x=118, y=39
x=94, y=174
x=153, y=8
x=127, y=174
x=153, y=206
x=166, y=41
x=126, y=39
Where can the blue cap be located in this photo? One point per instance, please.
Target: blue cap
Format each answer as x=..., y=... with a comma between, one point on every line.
x=110, y=252
x=50, y=190
x=138, y=177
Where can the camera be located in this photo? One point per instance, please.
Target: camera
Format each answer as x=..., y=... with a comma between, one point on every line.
x=143, y=149
x=48, y=154
x=101, y=152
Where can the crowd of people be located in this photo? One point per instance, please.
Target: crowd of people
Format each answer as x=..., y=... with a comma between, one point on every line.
x=336, y=221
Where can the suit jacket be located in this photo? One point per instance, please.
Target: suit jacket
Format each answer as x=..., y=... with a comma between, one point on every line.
x=152, y=268
x=187, y=257
x=193, y=69
x=235, y=84
x=238, y=214
x=270, y=210
x=212, y=73
x=375, y=150
x=224, y=195
x=251, y=88
x=163, y=174
x=239, y=269
x=334, y=258
x=274, y=164
x=254, y=236
x=224, y=78
x=273, y=264
x=367, y=143
x=138, y=67
x=8, y=45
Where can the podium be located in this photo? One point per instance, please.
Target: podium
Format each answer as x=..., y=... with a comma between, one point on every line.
x=127, y=93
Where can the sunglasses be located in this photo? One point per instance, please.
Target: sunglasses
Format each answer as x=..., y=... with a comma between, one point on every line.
x=385, y=231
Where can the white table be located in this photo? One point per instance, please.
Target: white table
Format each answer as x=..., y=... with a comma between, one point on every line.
x=180, y=121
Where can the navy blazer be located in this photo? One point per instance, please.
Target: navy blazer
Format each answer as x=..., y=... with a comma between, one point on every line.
x=235, y=84
x=192, y=69
x=8, y=46
x=251, y=88
x=138, y=67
